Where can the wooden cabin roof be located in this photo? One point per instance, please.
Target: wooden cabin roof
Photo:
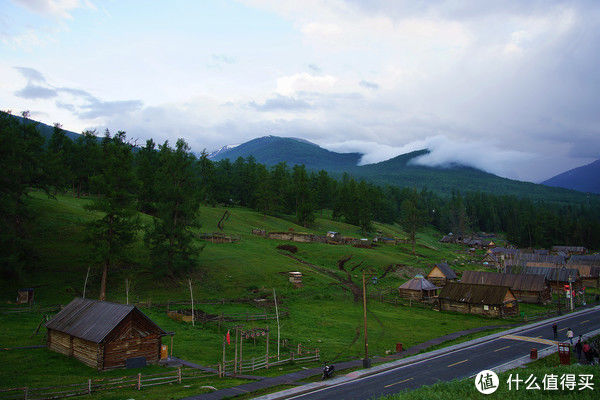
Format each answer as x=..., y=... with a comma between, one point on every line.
x=446, y=270
x=529, y=282
x=591, y=260
x=92, y=320
x=418, y=283
x=550, y=273
x=579, y=249
x=475, y=294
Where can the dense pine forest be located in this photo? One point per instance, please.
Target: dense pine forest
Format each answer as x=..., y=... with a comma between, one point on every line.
x=168, y=182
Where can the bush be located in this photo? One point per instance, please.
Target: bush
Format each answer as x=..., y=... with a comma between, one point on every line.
x=288, y=247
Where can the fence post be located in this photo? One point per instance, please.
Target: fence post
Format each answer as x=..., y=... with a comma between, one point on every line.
x=26, y=390
x=298, y=348
x=90, y=386
x=220, y=370
x=179, y=375
x=292, y=356
x=267, y=360
x=252, y=363
x=139, y=385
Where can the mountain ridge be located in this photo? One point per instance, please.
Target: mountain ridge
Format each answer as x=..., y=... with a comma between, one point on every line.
x=584, y=179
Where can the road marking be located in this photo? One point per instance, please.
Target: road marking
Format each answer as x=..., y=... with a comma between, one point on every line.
x=397, y=383
x=530, y=339
x=503, y=348
x=583, y=322
x=460, y=362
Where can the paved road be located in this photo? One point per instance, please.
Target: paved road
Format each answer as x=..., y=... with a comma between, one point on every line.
x=460, y=363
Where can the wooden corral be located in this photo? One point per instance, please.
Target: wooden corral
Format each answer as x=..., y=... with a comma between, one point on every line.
x=259, y=232
x=527, y=288
x=218, y=238
x=440, y=274
x=556, y=278
x=488, y=300
x=418, y=288
x=104, y=335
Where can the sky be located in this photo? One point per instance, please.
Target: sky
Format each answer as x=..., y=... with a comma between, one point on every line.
x=511, y=87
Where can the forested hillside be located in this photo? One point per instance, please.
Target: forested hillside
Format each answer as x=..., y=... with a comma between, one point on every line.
x=169, y=183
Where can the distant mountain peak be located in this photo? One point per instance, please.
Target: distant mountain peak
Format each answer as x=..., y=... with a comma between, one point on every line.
x=584, y=179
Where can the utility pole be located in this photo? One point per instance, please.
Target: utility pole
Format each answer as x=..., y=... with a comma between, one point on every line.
x=276, y=315
x=571, y=291
x=366, y=361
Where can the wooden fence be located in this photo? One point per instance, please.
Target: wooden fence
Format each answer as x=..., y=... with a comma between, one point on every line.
x=265, y=362
x=138, y=382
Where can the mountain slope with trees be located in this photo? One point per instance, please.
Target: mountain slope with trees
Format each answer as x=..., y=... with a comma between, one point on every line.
x=584, y=179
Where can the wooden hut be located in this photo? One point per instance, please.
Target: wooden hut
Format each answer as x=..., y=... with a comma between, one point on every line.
x=488, y=300
x=557, y=278
x=528, y=288
x=104, y=335
x=569, y=249
x=588, y=267
x=536, y=260
x=418, y=288
x=295, y=278
x=440, y=274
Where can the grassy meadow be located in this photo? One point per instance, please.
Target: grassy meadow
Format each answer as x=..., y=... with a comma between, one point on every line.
x=321, y=314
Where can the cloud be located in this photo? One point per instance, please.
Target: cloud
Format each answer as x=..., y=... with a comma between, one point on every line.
x=32, y=75
x=280, y=102
x=315, y=68
x=304, y=82
x=97, y=108
x=77, y=101
x=369, y=85
x=32, y=92
x=222, y=58
x=53, y=8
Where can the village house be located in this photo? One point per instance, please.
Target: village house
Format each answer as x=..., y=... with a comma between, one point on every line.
x=528, y=288
x=536, y=260
x=570, y=250
x=104, y=335
x=440, y=274
x=588, y=267
x=488, y=300
x=557, y=278
x=418, y=288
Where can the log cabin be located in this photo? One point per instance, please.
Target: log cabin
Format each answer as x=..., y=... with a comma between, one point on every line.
x=588, y=267
x=440, y=274
x=557, y=278
x=104, y=335
x=528, y=288
x=487, y=300
x=418, y=288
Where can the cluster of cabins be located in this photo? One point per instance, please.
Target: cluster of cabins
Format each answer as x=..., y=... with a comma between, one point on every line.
x=330, y=238
x=528, y=277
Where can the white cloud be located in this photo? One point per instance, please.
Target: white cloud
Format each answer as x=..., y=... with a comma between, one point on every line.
x=305, y=82
x=54, y=8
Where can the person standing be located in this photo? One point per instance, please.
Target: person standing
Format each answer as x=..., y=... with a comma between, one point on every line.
x=578, y=348
x=555, y=330
x=587, y=352
x=570, y=335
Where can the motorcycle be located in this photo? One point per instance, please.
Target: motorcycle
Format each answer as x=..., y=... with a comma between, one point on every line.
x=328, y=371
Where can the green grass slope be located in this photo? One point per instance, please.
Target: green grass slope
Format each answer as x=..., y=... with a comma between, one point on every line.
x=321, y=314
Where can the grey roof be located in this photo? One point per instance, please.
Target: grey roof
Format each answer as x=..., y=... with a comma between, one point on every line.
x=591, y=259
x=474, y=293
x=90, y=319
x=418, y=283
x=446, y=270
x=551, y=274
x=530, y=282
